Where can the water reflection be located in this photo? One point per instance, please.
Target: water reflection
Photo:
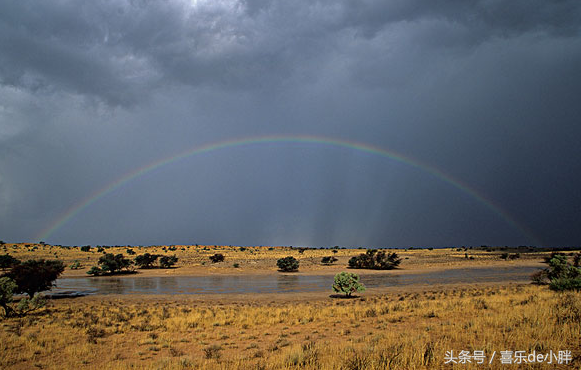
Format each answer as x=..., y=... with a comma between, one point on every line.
x=280, y=283
x=287, y=283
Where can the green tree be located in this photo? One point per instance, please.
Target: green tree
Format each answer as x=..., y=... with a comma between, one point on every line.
x=328, y=260
x=560, y=274
x=34, y=276
x=347, y=283
x=146, y=261
x=7, y=288
x=218, y=257
x=288, y=264
x=110, y=263
x=166, y=262
x=376, y=260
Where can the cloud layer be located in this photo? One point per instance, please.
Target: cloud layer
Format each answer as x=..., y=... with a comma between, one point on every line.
x=486, y=92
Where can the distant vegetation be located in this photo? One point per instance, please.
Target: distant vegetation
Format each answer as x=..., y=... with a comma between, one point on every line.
x=509, y=256
x=110, y=264
x=166, y=262
x=218, y=257
x=146, y=261
x=288, y=264
x=328, y=260
x=375, y=260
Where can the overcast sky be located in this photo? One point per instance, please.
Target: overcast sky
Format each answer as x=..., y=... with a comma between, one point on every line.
x=486, y=92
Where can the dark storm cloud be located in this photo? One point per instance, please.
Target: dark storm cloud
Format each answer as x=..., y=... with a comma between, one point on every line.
x=485, y=90
x=119, y=50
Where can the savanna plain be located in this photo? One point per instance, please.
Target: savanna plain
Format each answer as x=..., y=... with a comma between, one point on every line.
x=412, y=327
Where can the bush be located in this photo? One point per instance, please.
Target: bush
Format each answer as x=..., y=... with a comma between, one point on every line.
x=34, y=276
x=110, y=263
x=86, y=248
x=563, y=284
x=328, y=260
x=95, y=271
x=348, y=283
x=7, y=288
x=166, y=262
x=7, y=261
x=146, y=261
x=236, y=265
x=561, y=275
x=217, y=258
x=288, y=264
x=376, y=260
x=75, y=265
x=25, y=305
x=130, y=252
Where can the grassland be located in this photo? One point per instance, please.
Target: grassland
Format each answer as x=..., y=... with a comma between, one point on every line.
x=392, y=328
x=399, y=330
x=194, y=260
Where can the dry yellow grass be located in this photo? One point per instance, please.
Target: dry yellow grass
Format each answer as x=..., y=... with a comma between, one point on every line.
x=400, y=330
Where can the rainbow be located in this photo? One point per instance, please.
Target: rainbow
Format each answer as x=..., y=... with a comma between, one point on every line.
x=211, y=147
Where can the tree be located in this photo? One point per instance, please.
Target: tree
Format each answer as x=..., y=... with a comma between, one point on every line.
x=34, y=276
x=110, y=263
x=288, y=264
x=167, y=262
x=146, y=261
x=560, y=275
x=7, y=288
x=217, y=258
x=328, y=260
x=376, y=260
x=348, y=283
x=7, y=261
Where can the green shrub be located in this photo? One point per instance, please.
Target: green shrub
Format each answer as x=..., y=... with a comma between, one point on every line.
x=75, y=265
x=166, y=262
x=7, y=288
x=347, y=283
x=86, y=248
x=561, y=274
x=328, y=260
x=95, y=271
x=375, y=260
x=217, y=258
x=563, y=284
x=110, y=263
x=145, y=261
x=288, y=264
